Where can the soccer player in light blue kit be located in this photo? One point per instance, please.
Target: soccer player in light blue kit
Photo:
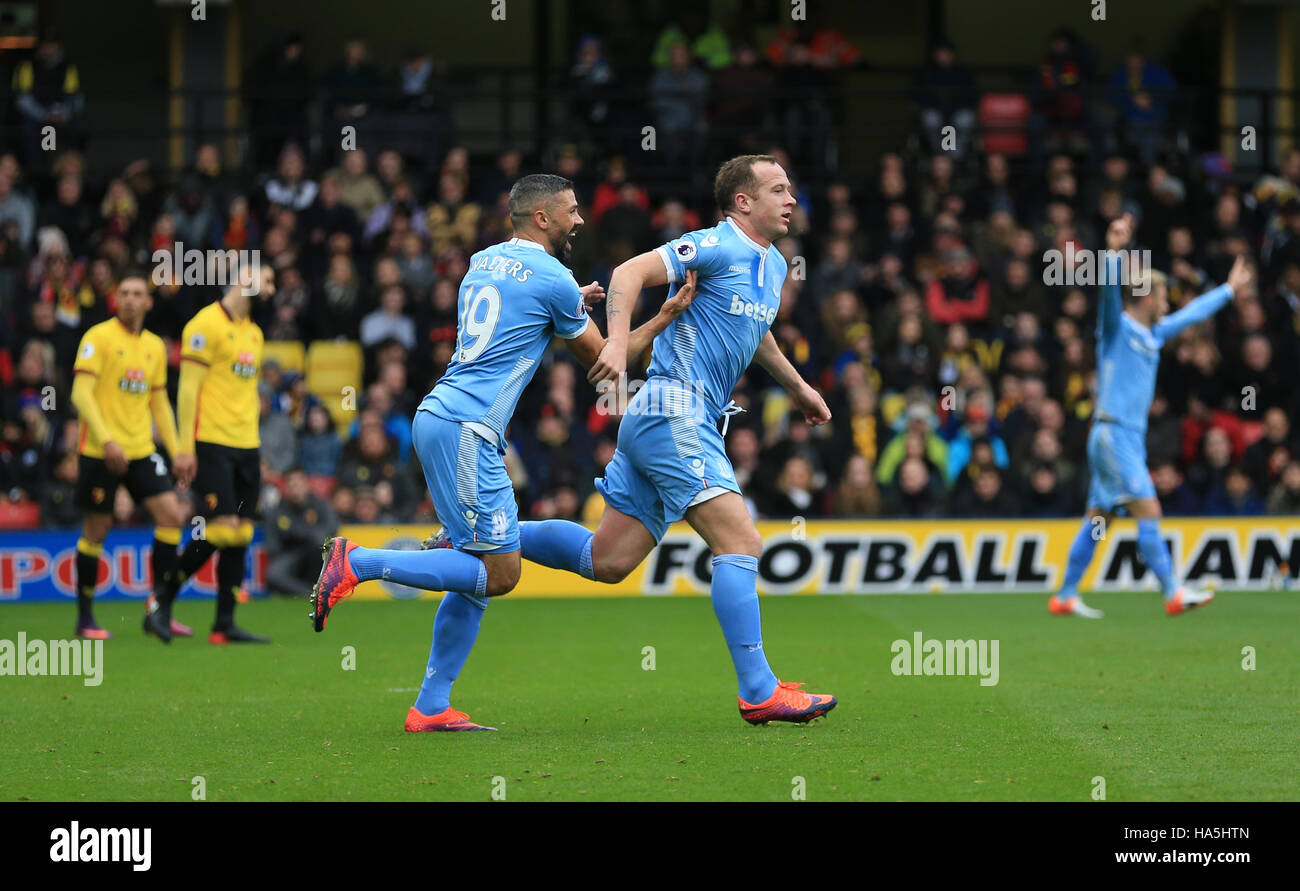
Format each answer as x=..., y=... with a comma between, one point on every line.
x=1130, y=334
x=516, y=297
x=670, y=462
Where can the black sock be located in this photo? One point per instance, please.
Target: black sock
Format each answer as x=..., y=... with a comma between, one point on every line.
x=163, y=563
x=191, y=559
x=230, y=575
x=87, y=578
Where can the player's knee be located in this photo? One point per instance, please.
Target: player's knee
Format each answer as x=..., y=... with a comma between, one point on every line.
x=742, y=541
x=171, y=515
x=499, y=587
x=613, y=570
x=227, y=527
x=95, y=528
x=1145, y=509
x=502, y=580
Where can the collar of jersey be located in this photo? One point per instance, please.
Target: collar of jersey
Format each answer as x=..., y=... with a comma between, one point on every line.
x=745, y=238
x=762, y=252
x=1137, y=324
x=526, y=242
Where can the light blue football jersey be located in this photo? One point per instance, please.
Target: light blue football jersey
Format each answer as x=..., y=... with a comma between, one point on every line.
x=1128, y=353
x=515, y=298
x=709, y=346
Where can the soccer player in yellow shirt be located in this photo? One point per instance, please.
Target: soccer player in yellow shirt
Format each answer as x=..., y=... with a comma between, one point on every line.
x=218, y=405
x=120, y=392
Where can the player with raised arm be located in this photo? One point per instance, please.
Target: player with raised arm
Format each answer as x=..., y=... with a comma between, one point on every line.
x=1131, y=331
x=671, y=462
x=120, y=392
x=516, y=297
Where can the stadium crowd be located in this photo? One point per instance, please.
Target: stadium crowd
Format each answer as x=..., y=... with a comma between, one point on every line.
x=960, y=379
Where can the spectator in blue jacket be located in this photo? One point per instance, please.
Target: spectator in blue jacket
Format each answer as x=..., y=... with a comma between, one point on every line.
x=1235, y=498
x=976, y=423
x=1142, y=91
x=1177, y=499
x=319, y=447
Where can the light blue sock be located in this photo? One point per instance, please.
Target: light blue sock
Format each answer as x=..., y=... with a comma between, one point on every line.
x=1077, y=562
x=442, y=569
x=558, y=544
x=1156, y=555
x=735, y=603
x=455, y=628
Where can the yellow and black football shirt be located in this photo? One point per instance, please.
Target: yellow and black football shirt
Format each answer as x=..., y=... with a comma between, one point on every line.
x=228, y=404
x=127, y=368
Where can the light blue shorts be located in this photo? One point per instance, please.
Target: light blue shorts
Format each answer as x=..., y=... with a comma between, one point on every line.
x=670, y=456
x=1117, y=458
x=467, y=478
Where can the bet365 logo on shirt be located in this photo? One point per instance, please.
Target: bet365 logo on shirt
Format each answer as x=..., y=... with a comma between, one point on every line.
x=133, y=381
x=765, y=315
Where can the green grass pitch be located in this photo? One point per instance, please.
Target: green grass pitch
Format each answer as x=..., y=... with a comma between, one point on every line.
x=1160, y=707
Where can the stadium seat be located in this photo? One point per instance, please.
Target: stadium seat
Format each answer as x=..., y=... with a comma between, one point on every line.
x=289, y=354
x=1004, y=123
x=20, y=515
x=331, y=367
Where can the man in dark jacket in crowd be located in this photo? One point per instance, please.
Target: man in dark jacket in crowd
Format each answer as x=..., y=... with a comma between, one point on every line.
x=295, y=529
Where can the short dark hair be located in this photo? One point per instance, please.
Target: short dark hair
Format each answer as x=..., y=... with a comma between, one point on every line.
x=530, y=191
x=136, y=272
x=737, y=175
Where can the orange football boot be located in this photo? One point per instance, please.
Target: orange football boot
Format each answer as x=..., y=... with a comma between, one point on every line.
x=1186, y=599
x=336, y=581
x=787, y=703
x=1072, y=606
x=445, y=720
x=92, y=631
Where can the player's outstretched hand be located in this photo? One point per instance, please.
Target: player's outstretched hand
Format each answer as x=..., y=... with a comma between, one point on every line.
x=1239, y=275
x=676, y=304
x=814, y=408
x=592, y=294
x=184, y=467
x=1119, y=233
